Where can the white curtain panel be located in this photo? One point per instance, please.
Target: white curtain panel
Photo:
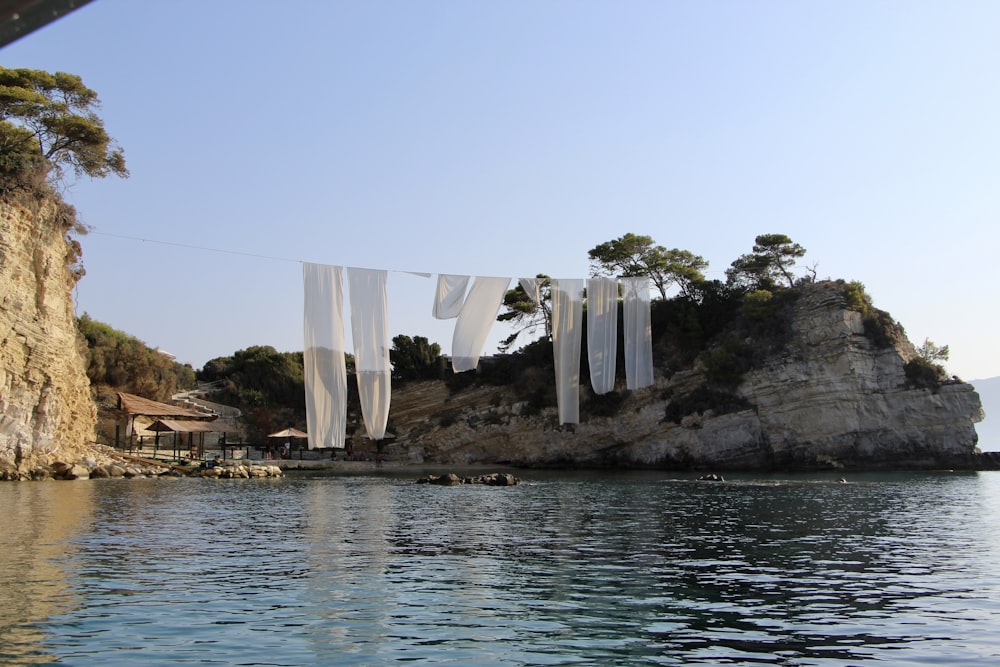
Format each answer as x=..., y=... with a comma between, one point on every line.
x=638, y=333
x=567, y=333
x=323, y=355
x=370, y=331
x=475, y=321
x=602, y=332
x=450, y=296
x=533, y=288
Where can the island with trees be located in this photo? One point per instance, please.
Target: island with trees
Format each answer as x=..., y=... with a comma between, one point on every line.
x=771, y=368
x=768, y=369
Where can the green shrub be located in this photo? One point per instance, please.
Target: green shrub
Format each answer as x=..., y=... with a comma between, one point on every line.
x=924, y=374
x=880, y=328
x=759, y=305
x=722, y=364
x=857, y=298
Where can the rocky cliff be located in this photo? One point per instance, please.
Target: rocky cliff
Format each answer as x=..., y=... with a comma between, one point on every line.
x=46, y=409
x=828, y=397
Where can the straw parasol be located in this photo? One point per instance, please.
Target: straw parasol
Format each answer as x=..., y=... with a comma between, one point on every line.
x=289, y=433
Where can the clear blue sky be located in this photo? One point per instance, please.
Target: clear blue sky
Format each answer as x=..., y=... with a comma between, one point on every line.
x=509, y=138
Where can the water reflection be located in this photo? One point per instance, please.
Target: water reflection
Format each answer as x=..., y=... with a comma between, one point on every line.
x=39, y=525
x=566, y=569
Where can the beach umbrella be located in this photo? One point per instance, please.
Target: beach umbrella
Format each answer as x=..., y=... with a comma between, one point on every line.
x=289, y=433
x=286, y=434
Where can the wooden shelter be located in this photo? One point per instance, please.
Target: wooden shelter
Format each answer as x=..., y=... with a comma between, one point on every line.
x=164, y=417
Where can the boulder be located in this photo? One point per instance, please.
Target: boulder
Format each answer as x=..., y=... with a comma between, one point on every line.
x=77, y=471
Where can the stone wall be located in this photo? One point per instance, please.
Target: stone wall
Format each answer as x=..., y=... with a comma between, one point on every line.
x=46, y=409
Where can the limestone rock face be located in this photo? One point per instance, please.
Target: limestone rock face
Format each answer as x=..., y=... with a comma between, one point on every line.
x=46, y=409
x=835, y=397
x=830, y=398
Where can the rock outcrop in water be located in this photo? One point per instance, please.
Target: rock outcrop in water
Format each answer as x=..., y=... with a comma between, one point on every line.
x=829, y=397
x=453, y=479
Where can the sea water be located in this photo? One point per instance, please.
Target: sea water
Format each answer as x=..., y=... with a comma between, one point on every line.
x=595, y=568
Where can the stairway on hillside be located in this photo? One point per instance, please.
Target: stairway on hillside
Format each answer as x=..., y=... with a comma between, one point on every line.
x=226, y=414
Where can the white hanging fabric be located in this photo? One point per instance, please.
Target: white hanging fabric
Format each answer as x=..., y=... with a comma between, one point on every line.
x=638, y=333
x=475, y=321
x=602, y=332
x=370, y=331
x=533, y=288
x=323, y=355
x=567, y=333
x=450, y=296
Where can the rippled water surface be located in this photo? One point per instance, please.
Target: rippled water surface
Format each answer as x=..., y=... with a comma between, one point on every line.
x=566, y=569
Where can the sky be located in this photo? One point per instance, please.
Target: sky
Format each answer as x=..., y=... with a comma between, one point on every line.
x=509, y=138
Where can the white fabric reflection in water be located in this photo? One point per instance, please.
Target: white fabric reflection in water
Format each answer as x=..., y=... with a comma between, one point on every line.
x=370, y=331
x=567, y=313
x=475, y=321
x=638, y=333
x=323, y=355
x=602, y=332
x=450, y=296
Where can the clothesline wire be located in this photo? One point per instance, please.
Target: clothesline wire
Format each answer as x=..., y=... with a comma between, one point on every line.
x=423, y=274
x=194, y=247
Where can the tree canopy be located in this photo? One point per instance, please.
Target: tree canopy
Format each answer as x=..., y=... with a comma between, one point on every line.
x=633, y=255
x=629, y=256
x=415, y=358
x=266, y=385
x=258, y=376
x=122, y=362
x=524, y=314
x=684, y=269
x=773, y=255
x=48, y=123
x=932, y=353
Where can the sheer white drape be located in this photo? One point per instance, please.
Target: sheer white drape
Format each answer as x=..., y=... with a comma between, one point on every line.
x=475, y=321
x=450, y=296
x=638, y=333
x=602, y=332
x=370, y=331
x=323, y=356
x=567, y=317
x=325, y=367
x=533, y=288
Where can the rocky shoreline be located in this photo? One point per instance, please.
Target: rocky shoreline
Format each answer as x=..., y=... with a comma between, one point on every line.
x=106, y=463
